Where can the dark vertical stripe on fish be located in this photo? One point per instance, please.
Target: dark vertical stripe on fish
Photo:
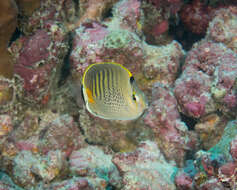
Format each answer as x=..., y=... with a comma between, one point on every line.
x=94, y=89
x=102, y=83
x=91, y=85
x=112, y=80
x=108, y=79
x=99, y=83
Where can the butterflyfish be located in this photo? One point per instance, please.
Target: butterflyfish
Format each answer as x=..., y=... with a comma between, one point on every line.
x=110, y=92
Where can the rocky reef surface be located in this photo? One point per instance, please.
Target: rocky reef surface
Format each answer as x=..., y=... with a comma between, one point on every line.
x=183, y=55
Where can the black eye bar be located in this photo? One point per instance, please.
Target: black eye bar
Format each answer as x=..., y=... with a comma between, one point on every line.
x=132, y=79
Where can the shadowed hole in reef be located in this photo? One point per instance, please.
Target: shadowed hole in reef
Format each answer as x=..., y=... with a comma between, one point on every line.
x=17, y=34
x=182, y=35
x=65, y=71
x=110, y=187
x=189, y=121
x=108, y=14
x=76, y=6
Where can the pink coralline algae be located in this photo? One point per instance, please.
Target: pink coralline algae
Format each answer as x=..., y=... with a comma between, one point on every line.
x=55, y=133
x=127, y=15
x=49, y=10
x=223, y=27
x=206, y=84
x=92, y=161
x=33, y=142
x=227, y=174
x=162, y=63
x=233, y=149
x=145, y=168
x=38, y=62
x=155, y=22
x=163, y=117
x=105, y=46
x=183, y=182
x=196, y=16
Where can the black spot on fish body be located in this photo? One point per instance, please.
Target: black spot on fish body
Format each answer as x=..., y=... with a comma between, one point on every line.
x=82, y=95
x=132, y=79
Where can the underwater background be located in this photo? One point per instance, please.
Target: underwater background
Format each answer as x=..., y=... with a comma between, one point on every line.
x=183, y=56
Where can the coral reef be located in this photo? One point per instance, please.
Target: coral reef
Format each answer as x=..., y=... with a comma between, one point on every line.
x=38, y=61
x=8, y=24
x=186, y=139
x=171, y=133
x=206, y=84
x=223, y=27
x=214, y=168
x=196, y=16
x=210, y=129
x=91, y=161
x=141, y=168
x=156, y=19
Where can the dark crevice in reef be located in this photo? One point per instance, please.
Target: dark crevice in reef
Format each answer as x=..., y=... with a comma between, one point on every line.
x=65, y=71
x=93, y=143
x=76, y=6
x=182, y=35
x=189, y=121
x=108, y=14
x=17, y=34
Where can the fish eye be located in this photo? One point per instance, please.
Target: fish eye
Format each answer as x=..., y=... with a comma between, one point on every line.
x=134, y=97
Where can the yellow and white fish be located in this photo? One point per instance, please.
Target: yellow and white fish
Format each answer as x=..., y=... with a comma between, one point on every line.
x=110, y=92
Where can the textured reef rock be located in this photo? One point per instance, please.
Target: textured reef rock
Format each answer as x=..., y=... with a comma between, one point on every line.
x=91, y=10
x=162, y=63
x=171, y=133
x=155, y=19
x=48, y=141
x=38, y=60
x=91, y=161
x=6, y=183
x=206, y=84
x=145, y=168
x=69, y=184
x=28, y=167
x=223, y=146
x=233, y=149
x=8, y=22
x=6, y=125
x=210, y=129
x=196, y=16
x=223, y=28
x=215, y=168
x=120, y=136
x=48, y=11
x=127, y=15
x=27, y=148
